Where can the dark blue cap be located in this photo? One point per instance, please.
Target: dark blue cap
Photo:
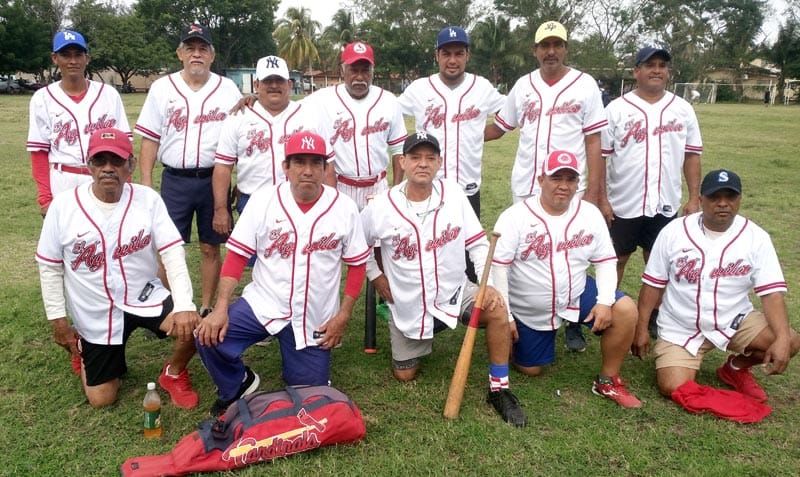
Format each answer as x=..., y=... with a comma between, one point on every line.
x=452, y=34
x=648, y=52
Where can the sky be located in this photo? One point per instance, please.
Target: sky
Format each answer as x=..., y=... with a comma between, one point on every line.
x=323, y=10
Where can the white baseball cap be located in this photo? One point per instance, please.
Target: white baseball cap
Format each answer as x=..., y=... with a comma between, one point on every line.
x=271, y=66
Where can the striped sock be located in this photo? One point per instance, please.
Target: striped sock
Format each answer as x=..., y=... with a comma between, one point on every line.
x=498, y=376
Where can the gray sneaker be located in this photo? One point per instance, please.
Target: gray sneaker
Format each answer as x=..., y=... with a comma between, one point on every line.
x=573, y=337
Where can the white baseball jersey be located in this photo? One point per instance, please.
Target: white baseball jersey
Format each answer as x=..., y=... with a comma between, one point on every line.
x=299, y=266
x=707, y=282
x=110, y=265
x=186, y=123
x=547, y=259
x=550, y=118
x=456, y=118
x=361, y=133
x=254, y=141
x=423, y=253
x=645, y=146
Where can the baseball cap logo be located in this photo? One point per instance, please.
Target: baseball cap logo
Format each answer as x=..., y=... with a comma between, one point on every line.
x=564, y=159
x=359, y=48
x=422, y=136
x=69, y=36
x=723, y=176
x=108, y=135
x=195, y=29
x=271, y=61
x=308, y=143
x=453, y=33
x=550, y=26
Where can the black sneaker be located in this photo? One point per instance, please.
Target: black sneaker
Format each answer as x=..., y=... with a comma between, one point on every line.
x=507, y=405
x=249, y=385
x=573, y=337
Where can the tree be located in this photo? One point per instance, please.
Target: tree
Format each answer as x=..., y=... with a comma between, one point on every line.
x=533, y=13
x=785, y=53
x=295, y=35
x=242, y=30
x=25, y=38
x=342, y=29
x=494, y=52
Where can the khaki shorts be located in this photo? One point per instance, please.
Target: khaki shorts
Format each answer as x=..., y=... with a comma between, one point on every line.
x=407, y=351
x=671, y=355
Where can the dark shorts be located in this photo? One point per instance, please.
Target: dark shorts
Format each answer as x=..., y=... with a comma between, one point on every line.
x=104, y=363
x=537, y=347
x=186, y=197
x=627, y=234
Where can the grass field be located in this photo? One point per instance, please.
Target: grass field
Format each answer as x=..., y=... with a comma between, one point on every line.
x=47, y=427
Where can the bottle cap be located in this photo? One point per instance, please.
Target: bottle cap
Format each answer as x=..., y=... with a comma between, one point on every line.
x=151, y=386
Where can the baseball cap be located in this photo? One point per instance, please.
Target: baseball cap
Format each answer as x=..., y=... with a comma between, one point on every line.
x=271, y=66
x=305, y=142
x=110, y=140
x=196, y=31
x=558, y=160
x=357, y=51
x=720, y=179
x=418, y=138
x=550, y=29
x=451, y=34
x=648, y=52
x=65, y=38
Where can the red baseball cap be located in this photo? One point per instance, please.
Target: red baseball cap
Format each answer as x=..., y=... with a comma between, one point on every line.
x=111, y=140
x=305, y=142
x=357, y=51
x=558, y=160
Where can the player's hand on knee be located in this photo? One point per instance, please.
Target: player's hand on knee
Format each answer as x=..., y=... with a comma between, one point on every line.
x=777, y=356
x=182, y=324
x=65, y=335
x=641, y=343
x=212, y=328
x=492, y=299
x=381, y=285
x=601, y=315
x=333, y=331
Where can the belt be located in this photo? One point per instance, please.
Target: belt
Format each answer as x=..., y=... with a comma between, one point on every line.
x=359, y=182
x=71, y=169
x=201, y=173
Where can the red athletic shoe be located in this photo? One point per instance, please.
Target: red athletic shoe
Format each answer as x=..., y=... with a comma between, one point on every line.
x=179, y=388
x=741, y=381
x=614, y=388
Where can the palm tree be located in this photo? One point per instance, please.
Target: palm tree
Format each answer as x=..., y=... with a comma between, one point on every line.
x=295, y=35
x=494, y=50
x=341, y=31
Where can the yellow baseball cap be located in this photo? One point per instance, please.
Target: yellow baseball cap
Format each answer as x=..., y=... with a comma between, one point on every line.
x=550, y=29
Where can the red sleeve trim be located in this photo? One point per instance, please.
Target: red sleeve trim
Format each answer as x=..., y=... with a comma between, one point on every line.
x=355, y=279
x=233, y=266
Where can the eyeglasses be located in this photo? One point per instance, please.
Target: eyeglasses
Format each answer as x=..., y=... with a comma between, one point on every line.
x=103, y=159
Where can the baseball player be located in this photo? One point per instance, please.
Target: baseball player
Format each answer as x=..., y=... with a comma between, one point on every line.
x=100, y=243
x=180, y=123
x=652, y=136
x=452, y=106
x=556, y=108
x=364, y=125
x=301, y=232
x=63, y=115
x=547, y=242
x=254, y=140
x=423, y=226
x=704, y=266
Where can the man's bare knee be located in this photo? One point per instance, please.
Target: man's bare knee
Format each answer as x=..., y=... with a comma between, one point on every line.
x=405, y=375
x=529, y=370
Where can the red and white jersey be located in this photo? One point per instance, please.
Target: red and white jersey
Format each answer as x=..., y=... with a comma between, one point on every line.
x=423, y=253
x=299, y=266
x=110, y=265
x=645, y=146
x=550, y=118
x=254, y=141
x=547, y=258
x=186, y=123
x=456, y=118
x=707, y=282
x=361, y=133
x=62, y=127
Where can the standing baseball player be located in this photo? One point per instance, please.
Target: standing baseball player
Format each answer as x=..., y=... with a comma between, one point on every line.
x=301, y=233
x=100, y=243
x=63, y=116
x=452, y=106
x=180, y=123
x=423, y=226
x=556, y=108
x=652, y=136
x=364, y=126
x=704, y=266
x=547, y=242
x=254, y=140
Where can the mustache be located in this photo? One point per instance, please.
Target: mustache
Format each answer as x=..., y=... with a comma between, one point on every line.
x=360, y=83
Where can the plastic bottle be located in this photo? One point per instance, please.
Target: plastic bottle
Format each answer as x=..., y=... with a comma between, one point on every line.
x=152, y=413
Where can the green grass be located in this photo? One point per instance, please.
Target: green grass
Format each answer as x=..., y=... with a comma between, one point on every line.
x=48, y=428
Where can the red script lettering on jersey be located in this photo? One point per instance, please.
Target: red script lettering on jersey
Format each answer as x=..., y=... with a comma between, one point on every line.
x=325, y=243
x=688, y=269
x=448, y=235
x=137, y=242
x=280, y=244
x=92, y=255
x=403, y=248
x=733, y=269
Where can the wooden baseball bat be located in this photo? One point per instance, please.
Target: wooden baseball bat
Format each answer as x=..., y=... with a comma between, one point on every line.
x=459, y=381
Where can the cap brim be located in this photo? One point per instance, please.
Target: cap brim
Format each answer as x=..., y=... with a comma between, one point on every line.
x=112, y=149
x=356, y=59
x=72, y=43
x=718, y=187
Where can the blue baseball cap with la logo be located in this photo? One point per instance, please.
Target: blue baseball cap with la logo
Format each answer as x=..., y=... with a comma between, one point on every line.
x=720, y=179
x=452, y=34
x=66, y=38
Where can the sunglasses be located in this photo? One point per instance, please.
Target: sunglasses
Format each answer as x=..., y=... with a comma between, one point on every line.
x=103, y=159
